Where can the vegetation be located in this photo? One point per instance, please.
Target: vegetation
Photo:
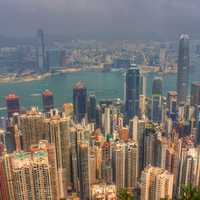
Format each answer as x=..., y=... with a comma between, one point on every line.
x=189, y=193
x=125, y=195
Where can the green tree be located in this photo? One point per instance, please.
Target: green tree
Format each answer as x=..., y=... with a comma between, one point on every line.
x=188, y=192
x=123, y=194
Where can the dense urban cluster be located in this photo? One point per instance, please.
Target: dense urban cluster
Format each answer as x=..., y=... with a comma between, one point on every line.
x=91, y=150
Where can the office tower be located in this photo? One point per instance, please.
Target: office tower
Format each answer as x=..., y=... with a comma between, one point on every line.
x=172, y=103
x=132, y=91
x=157, y=86
x=142, y=85
x=157, y=90
x=32, y=127
x=93, y=166
x=12, y=103
x=103, y=191
x=131, y=165
x=31, y=176
x=92, y=108
x=118, y=159
x=41, y=54
x=18, y=144
x=47, y=99
x=195, y=94
x=107, y=121
x=183, y=68
x=43, y=145
x=58, y=134
x=156, y=183
x=148, y=146
x=107, y=171
x=55, y=58
x=80, y=101
x=84, y=172
x=142, y=105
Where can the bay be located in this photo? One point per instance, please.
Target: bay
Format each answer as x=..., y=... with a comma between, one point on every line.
x=107, y=85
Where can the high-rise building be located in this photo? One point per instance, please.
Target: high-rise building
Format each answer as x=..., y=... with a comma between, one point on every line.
x=157, y=90
x=50, y=149
x=92, y=108
x=12, y=103
x=195, y=94
x=47, y=99
x=58, y=134
x=148, y=145
x=172, y=103
x=157, y=86
x=107, y=170
x=103, y=191
x=32, y=127
x=84, y=171
x=32, y=176
x=131, y=165
x=183, y=69
x=4, y=191
x=132, y=91
x=189, y=172
x=107, y=120
x=156, y=183
x=55, y=58
x=119, y=165
x=80, y=101
x=41, y=54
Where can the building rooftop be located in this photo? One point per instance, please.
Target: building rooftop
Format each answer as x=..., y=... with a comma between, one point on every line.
x=11, y=96
x=80, y=85
x=47, y=93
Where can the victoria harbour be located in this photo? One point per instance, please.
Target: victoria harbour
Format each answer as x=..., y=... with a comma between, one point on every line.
x=107, y=85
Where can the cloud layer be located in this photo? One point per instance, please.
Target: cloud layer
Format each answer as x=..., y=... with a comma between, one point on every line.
x=101, y=18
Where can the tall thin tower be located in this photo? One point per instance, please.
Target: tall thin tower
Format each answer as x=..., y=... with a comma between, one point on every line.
x=41, y=57
x=132, y=91
x=183, y=68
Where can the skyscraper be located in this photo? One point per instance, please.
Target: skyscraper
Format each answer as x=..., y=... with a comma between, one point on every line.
x=119, y=165
x=132, y=91
x=47, y=99
x=41, y=54
x=92, y=108
x=58, y=134
x=32, y=127
x=31, y=176
x=80, y=101
x=157, y=90
x=172, y=103
x=84, y=173
x=12, y=102
x=157, y=86
x=195, y=94
x=131, y=165
x=156, y=183
x=183, y=68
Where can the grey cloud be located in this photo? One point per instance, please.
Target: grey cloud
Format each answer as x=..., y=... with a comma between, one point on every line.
x=101, y=18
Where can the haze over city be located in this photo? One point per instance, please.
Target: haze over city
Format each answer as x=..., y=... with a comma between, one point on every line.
x=101, y=19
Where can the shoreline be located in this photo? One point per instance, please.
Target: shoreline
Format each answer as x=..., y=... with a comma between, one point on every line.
x=12, y=78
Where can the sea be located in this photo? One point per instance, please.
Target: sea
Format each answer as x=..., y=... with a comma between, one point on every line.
x=106, y=85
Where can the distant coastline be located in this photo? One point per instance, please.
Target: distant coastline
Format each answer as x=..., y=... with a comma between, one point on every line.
x=13, y=78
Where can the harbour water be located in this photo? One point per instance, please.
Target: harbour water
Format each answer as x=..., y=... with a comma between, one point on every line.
x=105, y=85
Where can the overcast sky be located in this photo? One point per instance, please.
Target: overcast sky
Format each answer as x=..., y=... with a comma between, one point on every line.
x=122, y=19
